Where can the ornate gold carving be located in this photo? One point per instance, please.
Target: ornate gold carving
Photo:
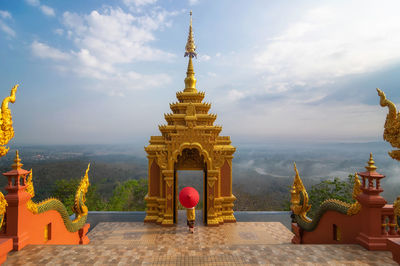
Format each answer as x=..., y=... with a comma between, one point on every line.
x=190, y=46
x=79, y=208
x=211, y=182
x=190, y=159
x=162, y=160
x=392, y=125
x=189, y=139
x=191, y=110
x=6, y=128
x=169, y=182
x=298, y=193
x=219, y=158
x=356, y=206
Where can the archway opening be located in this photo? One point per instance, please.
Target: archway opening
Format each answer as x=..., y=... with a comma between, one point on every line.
x=191, y=170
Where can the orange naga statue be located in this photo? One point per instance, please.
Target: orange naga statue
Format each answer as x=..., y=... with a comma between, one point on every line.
x=23, y=221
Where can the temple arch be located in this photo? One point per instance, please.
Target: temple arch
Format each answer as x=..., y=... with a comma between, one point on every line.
x=190, y=140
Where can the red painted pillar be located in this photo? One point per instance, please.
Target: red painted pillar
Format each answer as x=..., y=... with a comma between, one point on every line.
x=17, y=199
x=370, y=235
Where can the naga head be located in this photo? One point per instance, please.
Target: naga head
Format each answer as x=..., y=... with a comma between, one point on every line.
x=391, y=133
x=29, y=185
x=3, y=205
x=79, y=208
x=356, y=206
x=356, y=187
x=299, y=197
x=6, y=128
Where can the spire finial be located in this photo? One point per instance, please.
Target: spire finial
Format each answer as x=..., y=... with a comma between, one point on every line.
x=190, y=46
x=17, y=162
x=190, y=80
x=371, y=164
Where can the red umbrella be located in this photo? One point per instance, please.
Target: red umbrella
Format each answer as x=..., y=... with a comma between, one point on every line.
x=189, y=197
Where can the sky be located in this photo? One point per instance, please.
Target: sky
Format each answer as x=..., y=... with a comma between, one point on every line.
x=104, y=72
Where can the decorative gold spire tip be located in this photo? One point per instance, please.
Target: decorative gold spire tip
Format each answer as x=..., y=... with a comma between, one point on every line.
x=371, y=164
x=190, y=46
x=17, y=162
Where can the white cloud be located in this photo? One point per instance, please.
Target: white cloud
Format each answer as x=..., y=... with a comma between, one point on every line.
x=193, y=2
x=59, y=32
x=48, y=11
x=7, y=29
x=44, y=51
x=204, y=57
x=33, y=2
x=114, y=36
x=105, y=41
x=139, y=2
x=5, y=14
x=3, y=26
x=332, y=41
x=235, y=95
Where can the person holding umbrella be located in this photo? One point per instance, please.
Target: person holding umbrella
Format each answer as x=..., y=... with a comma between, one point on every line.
x=189, y=197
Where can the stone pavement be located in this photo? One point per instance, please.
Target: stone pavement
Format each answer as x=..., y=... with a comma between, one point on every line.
x=243, y=243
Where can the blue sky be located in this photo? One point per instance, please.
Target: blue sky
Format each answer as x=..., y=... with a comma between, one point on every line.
x=274, y=71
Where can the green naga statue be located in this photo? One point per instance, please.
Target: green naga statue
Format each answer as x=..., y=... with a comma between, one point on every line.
x=79, y=208
x=299, y=204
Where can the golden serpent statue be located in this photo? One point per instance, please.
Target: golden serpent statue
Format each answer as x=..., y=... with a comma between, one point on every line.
x=6, y=134
x=79, y=208
x=299, y=204
x=392, y=135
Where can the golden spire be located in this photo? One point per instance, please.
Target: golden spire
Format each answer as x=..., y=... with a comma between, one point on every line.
x=17, y=162
x=190, y=80
x=190, y=46
x=371, y=164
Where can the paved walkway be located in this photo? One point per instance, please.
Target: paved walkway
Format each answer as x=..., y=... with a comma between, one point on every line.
x=243, y=243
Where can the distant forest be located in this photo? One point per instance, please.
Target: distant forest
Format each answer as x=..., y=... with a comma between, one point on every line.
x=262, y=176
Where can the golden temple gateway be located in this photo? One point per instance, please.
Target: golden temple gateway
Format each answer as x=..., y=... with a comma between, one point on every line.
x=190, y=141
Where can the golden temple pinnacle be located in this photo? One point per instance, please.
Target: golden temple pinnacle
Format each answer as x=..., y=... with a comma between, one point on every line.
x=17, y=162
x=190, y=80
x=371, y=164
x=190, y=46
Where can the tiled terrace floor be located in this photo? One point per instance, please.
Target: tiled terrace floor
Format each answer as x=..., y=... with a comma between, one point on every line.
x=243, y=243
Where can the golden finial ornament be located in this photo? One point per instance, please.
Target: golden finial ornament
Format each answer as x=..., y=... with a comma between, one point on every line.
x=371, y=164
x=190, y=80
x=190, y=46
x=17, y=162
x=391, y=133
x=6, y=128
